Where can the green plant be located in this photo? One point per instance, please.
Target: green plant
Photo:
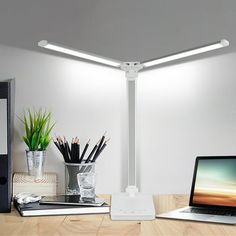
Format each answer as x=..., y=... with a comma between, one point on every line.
x=37, y=125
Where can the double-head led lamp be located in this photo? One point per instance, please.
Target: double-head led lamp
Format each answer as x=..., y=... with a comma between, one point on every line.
x=133, y=67
x=132, y=205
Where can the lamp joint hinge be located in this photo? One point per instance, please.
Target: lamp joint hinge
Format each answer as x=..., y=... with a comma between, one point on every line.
x=131, y=69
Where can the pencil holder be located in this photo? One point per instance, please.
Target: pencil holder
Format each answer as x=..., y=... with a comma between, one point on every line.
x=71, y=172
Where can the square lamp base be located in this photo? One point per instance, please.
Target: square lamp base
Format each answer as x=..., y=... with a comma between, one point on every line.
x=137, y=207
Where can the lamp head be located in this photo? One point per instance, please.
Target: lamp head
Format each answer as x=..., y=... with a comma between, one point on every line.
x=43, y=43
x=224, y=42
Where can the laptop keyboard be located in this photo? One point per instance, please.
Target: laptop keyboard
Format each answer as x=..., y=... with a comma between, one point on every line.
x=211, y=211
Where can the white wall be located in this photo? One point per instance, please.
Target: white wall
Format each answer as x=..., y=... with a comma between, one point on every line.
x=184, y=110
x=86, y=100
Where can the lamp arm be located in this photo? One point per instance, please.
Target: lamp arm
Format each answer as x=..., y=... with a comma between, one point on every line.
x=131, y=90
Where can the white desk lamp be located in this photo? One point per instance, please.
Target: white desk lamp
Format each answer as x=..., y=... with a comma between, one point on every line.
x=132, y=205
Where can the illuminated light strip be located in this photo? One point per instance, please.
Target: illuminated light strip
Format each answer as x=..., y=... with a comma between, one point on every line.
x=220, y=44
x=80, y=54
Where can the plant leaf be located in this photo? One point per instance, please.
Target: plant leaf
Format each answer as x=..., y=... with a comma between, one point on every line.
x=26, y=141
x=37, y=129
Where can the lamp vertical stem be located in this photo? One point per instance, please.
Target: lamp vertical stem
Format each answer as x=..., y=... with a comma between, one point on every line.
x=131, y=87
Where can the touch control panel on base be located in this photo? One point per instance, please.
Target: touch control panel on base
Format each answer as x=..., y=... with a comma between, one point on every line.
x=138, y=207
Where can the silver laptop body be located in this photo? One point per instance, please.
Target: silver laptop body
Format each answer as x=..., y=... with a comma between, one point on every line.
x=213, y=192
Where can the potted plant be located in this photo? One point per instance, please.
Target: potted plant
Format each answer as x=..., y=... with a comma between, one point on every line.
x=37, y=125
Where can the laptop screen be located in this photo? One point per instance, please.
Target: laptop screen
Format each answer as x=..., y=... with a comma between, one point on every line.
x=214, y=182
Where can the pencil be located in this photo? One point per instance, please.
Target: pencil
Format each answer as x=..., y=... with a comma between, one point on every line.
x=77, y=151
x=100, y=143
x=67, y=147
x=66, y=153
x=91, y=153
x=63, y=150
x=57, y=145
x=99, y=152
x=60, y=148
x=84, y=151
x=72, y=150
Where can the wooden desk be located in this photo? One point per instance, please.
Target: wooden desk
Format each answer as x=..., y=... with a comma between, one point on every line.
x=14, y=224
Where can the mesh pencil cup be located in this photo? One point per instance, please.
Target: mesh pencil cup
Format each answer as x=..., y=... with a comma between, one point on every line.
x=71, y=172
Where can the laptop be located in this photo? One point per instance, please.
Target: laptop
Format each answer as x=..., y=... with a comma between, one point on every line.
x=213, y=192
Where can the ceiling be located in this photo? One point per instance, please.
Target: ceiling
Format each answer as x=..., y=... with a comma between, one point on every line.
x=126, y=30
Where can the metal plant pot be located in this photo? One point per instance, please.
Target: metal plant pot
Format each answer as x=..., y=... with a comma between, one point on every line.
x=35, y=163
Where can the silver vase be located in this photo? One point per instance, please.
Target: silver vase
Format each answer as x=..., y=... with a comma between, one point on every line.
x=35, y=163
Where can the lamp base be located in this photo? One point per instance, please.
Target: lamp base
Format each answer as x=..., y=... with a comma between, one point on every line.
x=137, y=207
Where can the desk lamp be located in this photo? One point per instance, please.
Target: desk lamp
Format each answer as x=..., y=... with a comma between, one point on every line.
x=132, y=204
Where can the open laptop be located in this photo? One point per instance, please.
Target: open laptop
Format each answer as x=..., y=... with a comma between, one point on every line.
x=213, y=193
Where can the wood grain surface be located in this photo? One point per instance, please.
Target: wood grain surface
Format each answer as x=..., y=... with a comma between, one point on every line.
x=12, y=224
